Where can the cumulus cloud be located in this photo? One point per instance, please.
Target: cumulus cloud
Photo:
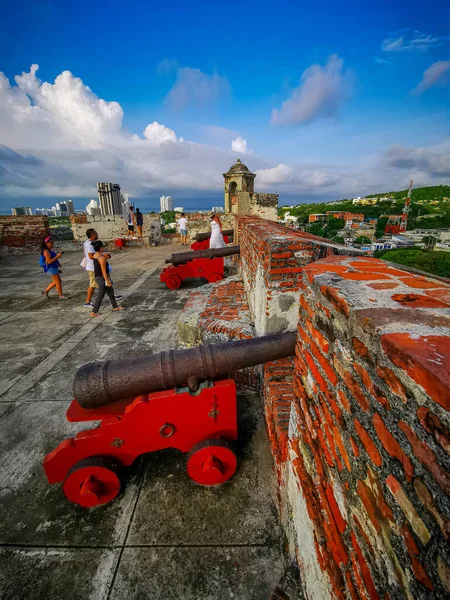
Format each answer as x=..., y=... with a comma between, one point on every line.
x=437, y=74
x=240, y=145
x=193, y=88
x=321, y=92
x=58, y=139
x=412, y=40
x=158, y=134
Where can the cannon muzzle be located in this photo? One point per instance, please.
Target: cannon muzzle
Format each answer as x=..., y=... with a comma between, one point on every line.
x=100, y=383
x=181, y=258
x=201, y=237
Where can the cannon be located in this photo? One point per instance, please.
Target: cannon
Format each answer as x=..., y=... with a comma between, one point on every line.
x=208, y=264
x=202, y=239
x=182, y=399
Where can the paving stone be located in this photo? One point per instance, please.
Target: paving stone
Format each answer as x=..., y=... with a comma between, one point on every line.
x=56, y=573
x=245, y=573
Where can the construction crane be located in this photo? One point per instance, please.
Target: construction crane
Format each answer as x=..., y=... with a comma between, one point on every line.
x=398, y=223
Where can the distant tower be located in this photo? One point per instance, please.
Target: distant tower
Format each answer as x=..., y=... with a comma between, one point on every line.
x=109, y=198
x=239, y=186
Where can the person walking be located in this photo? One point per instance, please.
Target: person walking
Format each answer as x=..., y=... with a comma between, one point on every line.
x=183, y=225
x=52, y=267
x=131, y=221
x=216, y=240
x=88, y=264
x=102, y=278
x=139, y=221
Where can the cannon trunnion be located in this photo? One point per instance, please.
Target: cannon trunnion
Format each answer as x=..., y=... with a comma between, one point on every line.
x=178, y=399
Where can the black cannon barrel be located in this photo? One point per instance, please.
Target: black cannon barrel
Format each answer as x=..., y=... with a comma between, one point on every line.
x=100, y=383
x=181, y=258
x=201, y=237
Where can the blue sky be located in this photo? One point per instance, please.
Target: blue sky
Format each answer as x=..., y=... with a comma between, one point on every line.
x=333, y=100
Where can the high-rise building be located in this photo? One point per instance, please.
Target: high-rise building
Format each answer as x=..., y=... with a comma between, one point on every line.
x=179, y=209
x=166, y=203
x=70, y=207
x=125, y=205
x=61, y=209
x=92, y=208
x=217, y=209
x=21, y=210
x=109, y=198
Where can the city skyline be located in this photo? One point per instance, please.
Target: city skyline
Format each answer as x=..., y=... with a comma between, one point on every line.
x=344, y=101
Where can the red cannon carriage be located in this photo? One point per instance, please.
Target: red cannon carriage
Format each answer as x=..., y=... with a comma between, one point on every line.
x=142, y=408
x=207, y=264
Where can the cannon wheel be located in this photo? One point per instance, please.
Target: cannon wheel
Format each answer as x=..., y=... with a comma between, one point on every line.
x=211, y=462
x=173, y=282
x=93, y=481
x=215, y=277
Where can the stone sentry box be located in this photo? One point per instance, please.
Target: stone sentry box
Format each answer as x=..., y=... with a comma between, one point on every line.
x=271, y=263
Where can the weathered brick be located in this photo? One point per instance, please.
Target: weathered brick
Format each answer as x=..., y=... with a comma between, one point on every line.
x=410, y=512
x=391, y=445
x=425, y=359
x=427, y=457
x=368, y=444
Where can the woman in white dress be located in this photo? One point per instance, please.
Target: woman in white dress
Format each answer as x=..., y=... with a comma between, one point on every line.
x=216, y=240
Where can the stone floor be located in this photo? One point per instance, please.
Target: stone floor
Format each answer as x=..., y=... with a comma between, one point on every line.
x=163, y=537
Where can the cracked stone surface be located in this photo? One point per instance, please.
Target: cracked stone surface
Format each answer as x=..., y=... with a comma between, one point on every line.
x=163, y=537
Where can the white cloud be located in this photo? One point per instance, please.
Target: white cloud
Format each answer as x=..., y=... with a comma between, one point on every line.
x=321, y=91
x=58, y=139
x=412, y=40
x=279, y=174
x=158, y=134
x=381, y=61
x=437, y=74
x=195, y=88
x=167, y=66
x=240, y=145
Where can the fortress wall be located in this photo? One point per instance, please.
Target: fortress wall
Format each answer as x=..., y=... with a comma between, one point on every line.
x=365, y=472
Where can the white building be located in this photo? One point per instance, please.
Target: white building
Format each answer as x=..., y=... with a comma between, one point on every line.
x=92, y=209
x=179, y=209
x=21, y=210
x=166, y=203
x=218, y=209
x=70, y=207
x=125, y=204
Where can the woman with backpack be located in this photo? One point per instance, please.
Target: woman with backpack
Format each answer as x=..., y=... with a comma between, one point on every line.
x=103, y=279
x=50, y=262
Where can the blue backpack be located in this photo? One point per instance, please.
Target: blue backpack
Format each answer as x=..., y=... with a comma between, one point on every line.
x=43, y=263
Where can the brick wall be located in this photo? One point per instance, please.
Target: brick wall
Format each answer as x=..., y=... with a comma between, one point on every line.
x=272, y=259
x=362, y=436
x=22, y=231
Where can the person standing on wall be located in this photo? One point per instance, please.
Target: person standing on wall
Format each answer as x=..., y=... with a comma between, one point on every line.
x=88, y=264
x=50, y=262
x=102, y=278
x=139, y=221
x=131, y=221
x=216, y=240
x=183, y=225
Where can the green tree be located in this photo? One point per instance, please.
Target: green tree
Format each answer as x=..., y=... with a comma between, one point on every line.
x=316, y=229
x=430, y=242
x=333, y=226
x=381, y=225
x=363, y=240
x=338, y=239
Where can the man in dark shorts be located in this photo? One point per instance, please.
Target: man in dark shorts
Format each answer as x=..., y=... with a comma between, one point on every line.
x=131, y=221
